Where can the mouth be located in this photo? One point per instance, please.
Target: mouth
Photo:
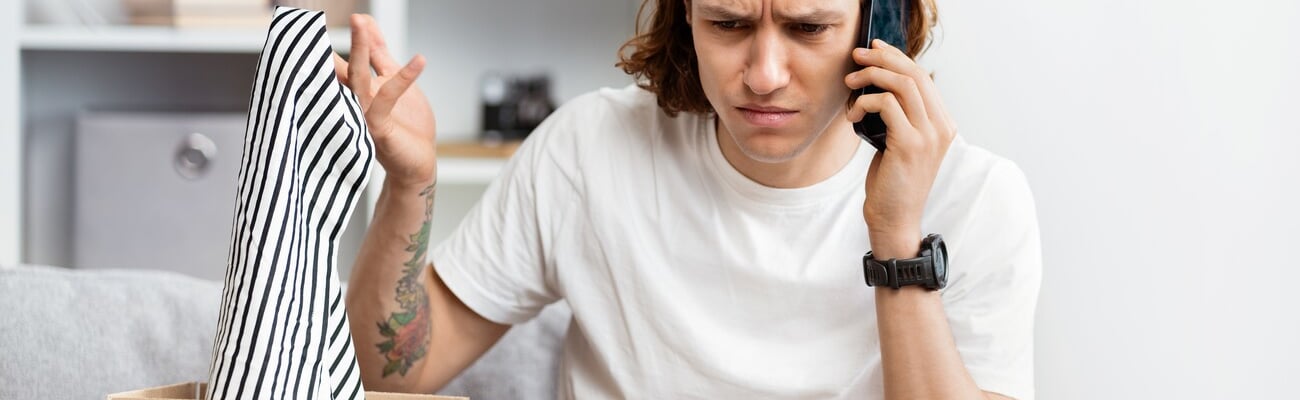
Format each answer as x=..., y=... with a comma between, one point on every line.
x=766, y=116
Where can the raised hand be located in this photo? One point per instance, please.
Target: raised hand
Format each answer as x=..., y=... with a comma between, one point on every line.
x=398, y=114
x=919, y=132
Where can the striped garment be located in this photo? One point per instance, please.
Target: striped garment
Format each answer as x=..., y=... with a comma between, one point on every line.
x=283, y=333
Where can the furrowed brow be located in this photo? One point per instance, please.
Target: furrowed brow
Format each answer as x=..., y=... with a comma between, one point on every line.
x=814, y=16
x=720, y=13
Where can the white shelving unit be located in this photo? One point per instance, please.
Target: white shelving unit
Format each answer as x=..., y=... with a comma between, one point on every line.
x=156, y=39
x=61, y=69
x=11, y=135
x=49, y=73
x=468, y=171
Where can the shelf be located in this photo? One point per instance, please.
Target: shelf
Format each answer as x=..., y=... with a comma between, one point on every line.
x=471, y=162
x=157, y=39
x=464, y=170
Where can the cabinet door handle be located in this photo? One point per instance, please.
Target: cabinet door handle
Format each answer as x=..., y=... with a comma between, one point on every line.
x=194, y=156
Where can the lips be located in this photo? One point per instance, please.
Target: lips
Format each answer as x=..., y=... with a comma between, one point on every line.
x=766, y=116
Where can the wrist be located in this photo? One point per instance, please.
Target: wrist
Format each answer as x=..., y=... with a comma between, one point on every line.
x=901, y=243
x=410, y=186
x=402, y=197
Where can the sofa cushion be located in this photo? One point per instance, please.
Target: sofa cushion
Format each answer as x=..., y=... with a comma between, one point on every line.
x=81, y=334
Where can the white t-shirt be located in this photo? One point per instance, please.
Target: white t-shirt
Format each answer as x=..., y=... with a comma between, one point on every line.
x=689, y=280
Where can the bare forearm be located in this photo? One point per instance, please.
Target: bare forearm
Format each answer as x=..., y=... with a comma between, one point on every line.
x=388, y=299
x=918, y=353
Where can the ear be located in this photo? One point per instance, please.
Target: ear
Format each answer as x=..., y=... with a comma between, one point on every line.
x=687, y=3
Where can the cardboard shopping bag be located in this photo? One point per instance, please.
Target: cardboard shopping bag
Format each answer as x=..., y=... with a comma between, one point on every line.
x=197, y=391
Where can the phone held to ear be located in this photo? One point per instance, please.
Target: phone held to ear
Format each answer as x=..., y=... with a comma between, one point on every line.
x=885, y=20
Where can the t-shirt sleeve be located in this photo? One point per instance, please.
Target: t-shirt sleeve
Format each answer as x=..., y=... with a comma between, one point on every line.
x=993, y=291
x=496, y=261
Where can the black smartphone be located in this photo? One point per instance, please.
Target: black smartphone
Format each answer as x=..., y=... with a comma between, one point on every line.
x=885, y=20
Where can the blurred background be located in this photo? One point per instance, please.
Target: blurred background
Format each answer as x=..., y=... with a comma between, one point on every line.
x=1159, y=138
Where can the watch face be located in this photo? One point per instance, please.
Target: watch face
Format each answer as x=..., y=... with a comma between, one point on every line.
x=940, y=253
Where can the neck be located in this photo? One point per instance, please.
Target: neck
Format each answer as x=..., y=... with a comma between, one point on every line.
x=825, y=156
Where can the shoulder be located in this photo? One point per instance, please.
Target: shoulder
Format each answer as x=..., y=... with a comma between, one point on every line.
x=981, y=200
x=607, y=105
x=982, y=204
x=977, y=178
x=592, y=115
x=599, y=128
x=629, y=112
x=608, y=122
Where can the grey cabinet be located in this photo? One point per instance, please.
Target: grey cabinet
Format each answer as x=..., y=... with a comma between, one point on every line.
x=155, y=190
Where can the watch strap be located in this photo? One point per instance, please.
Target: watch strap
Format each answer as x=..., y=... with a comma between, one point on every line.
x=876, y=273
x=896, y=273
x=913, y=271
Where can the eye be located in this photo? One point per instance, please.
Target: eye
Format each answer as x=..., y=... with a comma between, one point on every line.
x=811, y=29
x=728, y=25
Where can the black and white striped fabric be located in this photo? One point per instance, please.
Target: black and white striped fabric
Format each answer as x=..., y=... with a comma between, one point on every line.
x=283, y=333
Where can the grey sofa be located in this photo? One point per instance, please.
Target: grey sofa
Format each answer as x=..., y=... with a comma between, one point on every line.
x=81, y=334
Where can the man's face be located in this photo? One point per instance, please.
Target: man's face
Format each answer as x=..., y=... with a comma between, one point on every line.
x=774, y=69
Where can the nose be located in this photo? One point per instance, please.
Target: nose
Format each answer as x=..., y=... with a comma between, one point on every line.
x=767, y=70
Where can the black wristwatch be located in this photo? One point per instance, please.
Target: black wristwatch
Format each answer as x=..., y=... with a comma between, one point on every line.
x=929, y=270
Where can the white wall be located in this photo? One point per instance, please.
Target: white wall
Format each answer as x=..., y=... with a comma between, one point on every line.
x=1161, y=143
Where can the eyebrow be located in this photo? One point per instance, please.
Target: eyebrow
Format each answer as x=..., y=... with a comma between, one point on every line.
x=813, y=16
x=720, y=12
x=715, y=11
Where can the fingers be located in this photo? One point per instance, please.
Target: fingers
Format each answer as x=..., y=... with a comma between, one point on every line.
x=929, y=92
x=341, y=69
x=359, y=66
x=885, y=104
x=893, y=59
x=909, y=95
x=383, y=62
x=392, y=90
x=888, y=57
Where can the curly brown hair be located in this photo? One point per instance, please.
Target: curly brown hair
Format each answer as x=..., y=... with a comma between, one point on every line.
x=662, y=58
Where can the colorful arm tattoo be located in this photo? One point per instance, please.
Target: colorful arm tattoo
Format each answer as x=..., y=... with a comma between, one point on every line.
x=408, y=329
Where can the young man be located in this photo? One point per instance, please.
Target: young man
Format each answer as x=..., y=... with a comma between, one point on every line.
x=707, y=227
